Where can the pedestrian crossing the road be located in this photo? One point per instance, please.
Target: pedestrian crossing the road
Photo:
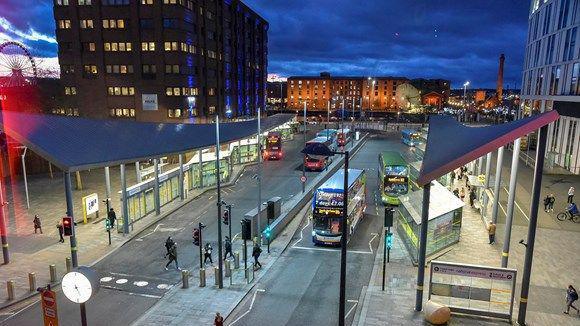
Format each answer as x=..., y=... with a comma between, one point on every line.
x=150, y=287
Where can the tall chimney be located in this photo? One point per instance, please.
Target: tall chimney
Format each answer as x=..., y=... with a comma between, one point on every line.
x=499, y=89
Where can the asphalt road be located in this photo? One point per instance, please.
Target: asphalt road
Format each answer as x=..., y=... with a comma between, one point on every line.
x=303, y=287
x=134, y=277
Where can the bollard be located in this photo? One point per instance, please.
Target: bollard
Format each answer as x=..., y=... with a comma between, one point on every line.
x=10, y=288
x=52, y=269
x=68, y=265
x=185, y=278
x=32, y=282
x=216, y=274
x=236, y=260
x=227, y=268
x=202, y=277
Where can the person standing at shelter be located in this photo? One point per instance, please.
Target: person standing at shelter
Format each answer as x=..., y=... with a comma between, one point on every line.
x=462, y=194
x=218, y=320
x=551, y=204
x=472, y=197
x=547, y=203
x=571, y=194
x=37, y=224
x=112, y=216
x=60, y=231
x=491, y=232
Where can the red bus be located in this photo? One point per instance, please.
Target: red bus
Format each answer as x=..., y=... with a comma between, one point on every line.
x=343, y=136
x=313, y=163
x=273, y=146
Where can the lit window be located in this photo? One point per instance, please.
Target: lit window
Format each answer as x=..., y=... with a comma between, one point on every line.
x=147, y=46
x=85, y=2
x=86, y=23
x=70, y=90
x=170, y=46
x=64, y=24
x=146, y=2
x=62, y=2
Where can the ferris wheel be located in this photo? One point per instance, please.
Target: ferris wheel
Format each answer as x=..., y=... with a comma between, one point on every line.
x=17, y=67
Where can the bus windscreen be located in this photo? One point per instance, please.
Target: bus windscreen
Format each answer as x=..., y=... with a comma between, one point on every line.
x=396, y=185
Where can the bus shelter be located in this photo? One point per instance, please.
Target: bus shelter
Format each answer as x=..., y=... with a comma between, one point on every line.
x=445, y=215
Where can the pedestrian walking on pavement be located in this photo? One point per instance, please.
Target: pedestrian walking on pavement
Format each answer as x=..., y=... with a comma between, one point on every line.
x=207, y=253
x=112, y=216
x=168, y=244
x=472, y=197
x=491, y=232
x=571, y=297
x=218, y=320
x=256, y=251
x=60, y=231
x=456, y=192
x=551, y=204
x=547, y=203
x=172, y=255
x=37, y=224
x=571, y=194
x=462, y=194
x=452, y=176
x=228, y=247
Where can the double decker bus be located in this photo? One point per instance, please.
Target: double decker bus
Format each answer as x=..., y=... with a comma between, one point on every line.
x=314, y=163
x=273, y=149
x=393, y=177
x=410, y=137
x=327, y=206
x=343, y=136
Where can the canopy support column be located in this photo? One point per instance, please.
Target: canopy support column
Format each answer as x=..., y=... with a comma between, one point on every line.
x=138, y=172
x=487, y=169
x=124, y=200
x=156, y=187
x=70, y=212
x=422, y=247
x=497, y=184
x=510, y=204
x=181, y=185
x=536, y=188
x=200, y=166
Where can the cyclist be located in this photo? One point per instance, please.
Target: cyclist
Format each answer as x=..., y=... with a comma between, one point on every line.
x=572, y=209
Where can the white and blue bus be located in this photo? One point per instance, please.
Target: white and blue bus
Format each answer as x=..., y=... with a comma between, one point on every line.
x=328, y=133
x=411, y=137
x=327, y=206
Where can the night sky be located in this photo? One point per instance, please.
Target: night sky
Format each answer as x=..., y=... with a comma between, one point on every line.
x=453, y=39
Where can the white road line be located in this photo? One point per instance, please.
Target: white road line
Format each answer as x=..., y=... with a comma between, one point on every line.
x=132, y=293
x=518, y=206
x=331, y=250
x=352, y=308
x=150, y=233
x=371, y=240
x=235, y=236
x=250, y=308
x=301, y=232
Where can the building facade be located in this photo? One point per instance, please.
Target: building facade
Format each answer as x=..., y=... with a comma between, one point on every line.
x=320, y=92
x=161, y=60
x=551, y=76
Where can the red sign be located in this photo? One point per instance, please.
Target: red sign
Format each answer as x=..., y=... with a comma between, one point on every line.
x=303, y=178
x=49, y=311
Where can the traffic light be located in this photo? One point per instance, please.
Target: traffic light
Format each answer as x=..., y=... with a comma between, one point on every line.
x=67, y=226
x=246, y=229
x=226, y=217
x=196, y=236
x=270, y=210
x=388, y=217
x=107, y=224
x=389, y=240
x=268, y=232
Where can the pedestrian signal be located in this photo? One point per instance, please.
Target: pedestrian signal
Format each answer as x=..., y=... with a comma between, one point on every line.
x=389, y=240
x=67, y=225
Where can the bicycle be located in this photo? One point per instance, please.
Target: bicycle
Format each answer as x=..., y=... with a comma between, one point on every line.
x=566, y=215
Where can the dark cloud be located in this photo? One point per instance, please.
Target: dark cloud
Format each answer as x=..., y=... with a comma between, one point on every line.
x=453, y=39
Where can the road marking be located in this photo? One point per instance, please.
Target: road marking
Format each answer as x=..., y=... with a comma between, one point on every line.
x=163, y=286
x=121, y=281
x=331, y=250
x=106, y=279
x=352, y=308
x=301, y=232
x=140, y=283
x=371, y=240
x=150, y=233
x=517, y=205
x=235, y=236
x=132, y=293
x=251, y=306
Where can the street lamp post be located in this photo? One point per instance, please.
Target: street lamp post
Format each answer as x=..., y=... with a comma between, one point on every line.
x=465, y=98
x=323, y=150
x=304, y=162
x=219, y=200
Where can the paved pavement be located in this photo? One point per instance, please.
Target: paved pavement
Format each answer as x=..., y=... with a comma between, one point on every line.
x=554, y=267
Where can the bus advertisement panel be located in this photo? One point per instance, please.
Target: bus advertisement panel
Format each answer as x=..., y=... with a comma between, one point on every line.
x=393, y=177
x=273, y=146
x=327, y=206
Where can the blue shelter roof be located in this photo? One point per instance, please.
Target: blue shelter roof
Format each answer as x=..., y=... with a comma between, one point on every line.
x=336, y=182
x=73, y=143
x=451, y=144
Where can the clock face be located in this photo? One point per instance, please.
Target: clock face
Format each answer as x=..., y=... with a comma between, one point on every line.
x=76, y=287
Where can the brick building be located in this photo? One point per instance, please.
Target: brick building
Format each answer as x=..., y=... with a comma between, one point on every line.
x=161, y=60
x=374, y=93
